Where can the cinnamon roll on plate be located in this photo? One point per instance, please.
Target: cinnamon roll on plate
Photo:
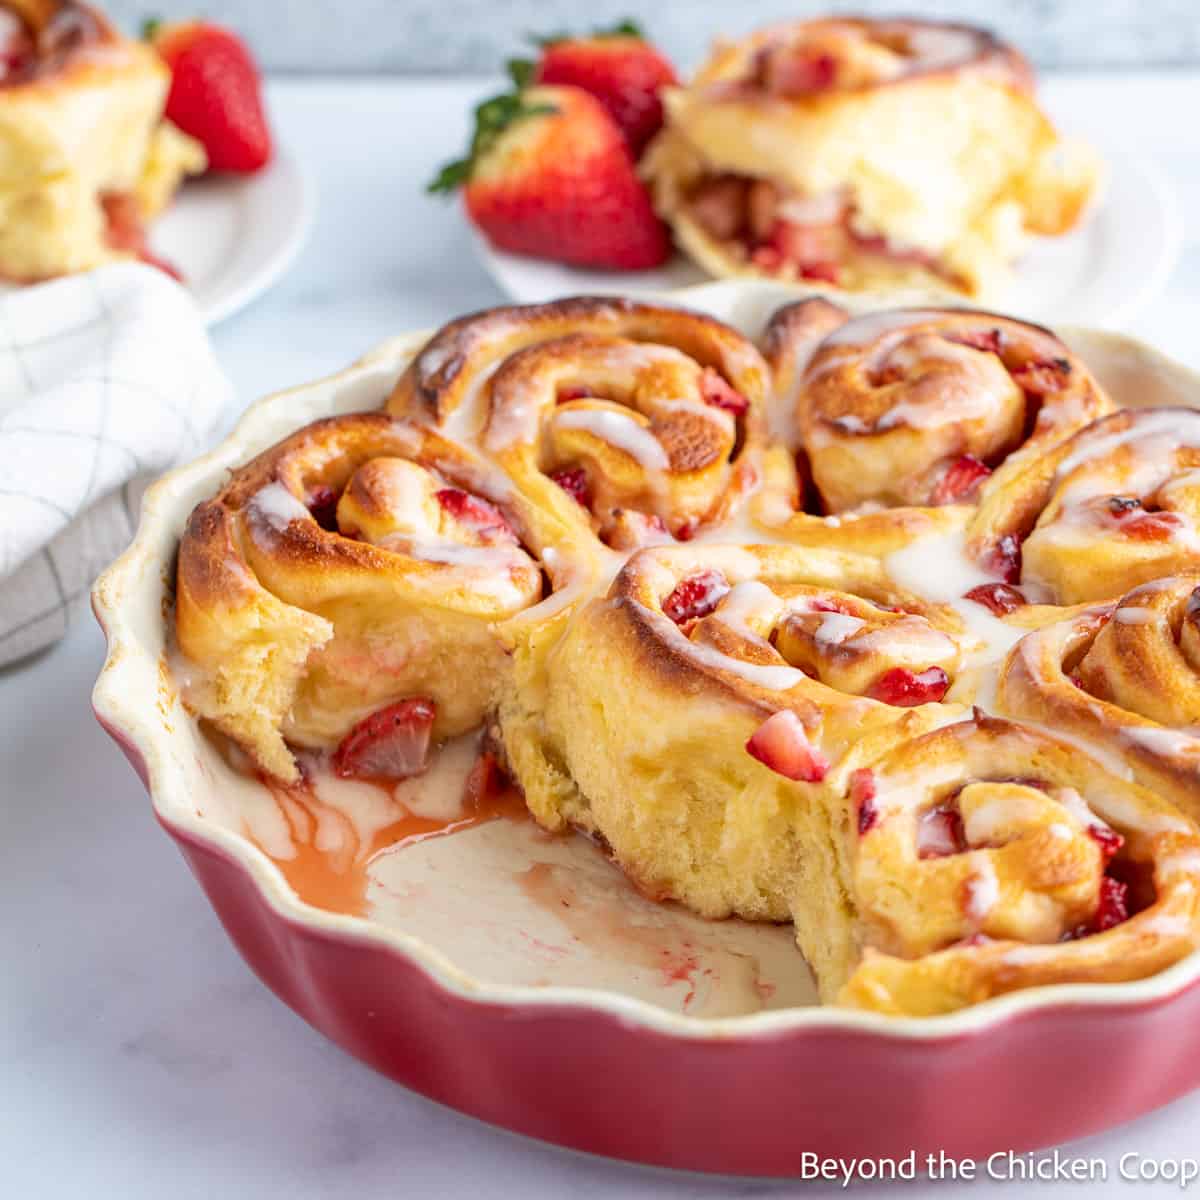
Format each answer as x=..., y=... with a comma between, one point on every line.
x=87, y=158
x=865, y=154
x=885, y=626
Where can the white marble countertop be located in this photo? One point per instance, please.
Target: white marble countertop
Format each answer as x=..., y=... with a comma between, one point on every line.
x=138, y=1055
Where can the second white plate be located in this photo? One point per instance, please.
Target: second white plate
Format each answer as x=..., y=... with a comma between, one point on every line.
x=231, y=237
x=1101, y=274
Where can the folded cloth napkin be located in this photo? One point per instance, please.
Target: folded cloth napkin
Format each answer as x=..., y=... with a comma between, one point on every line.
x=106, y=379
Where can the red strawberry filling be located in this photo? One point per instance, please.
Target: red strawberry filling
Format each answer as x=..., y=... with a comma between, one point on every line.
x=574, y=481
x=1042, y=376
x=717, y=392
x=1109, y=840
x=998, y=598
x=392, y=743
x=906, y=689
x=566, y=394
x=1113, y=909
x=126, y=232
x=471, y=510
x=961, y=479
x=16, y=48
x=1153, y=527
x=862, y=796
x=1004, y=559
x=940, y=833
x=979, y=339
x=696, y=596
x=782, y=744
x=322, y=503
x=795, y=72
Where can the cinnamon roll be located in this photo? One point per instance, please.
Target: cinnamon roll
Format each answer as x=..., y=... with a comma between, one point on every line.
x=629, y=424
x=1125, y=678
x=1114, y=506
x=342, y=593
x=911, y=421
x=692, y=715
x=88, y=158
x=987, y=856
x=865, y=154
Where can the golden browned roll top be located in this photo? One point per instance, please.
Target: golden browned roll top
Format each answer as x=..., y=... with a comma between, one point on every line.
x=787, y=633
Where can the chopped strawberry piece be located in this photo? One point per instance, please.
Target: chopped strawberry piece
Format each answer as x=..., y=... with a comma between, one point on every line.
x=962, y=478
x=940, y=833
x=1114, y=904
x=862, y=796
x=719, y=206
x=1109, y=840
x=17, y=50
x=905, y=689
x=717, y=392
x=782, y=744
x=766, y=258
x=686, y=530
x=322, y=503
x=1152, y=527
x=696, y=596
x=471, y=510
x=796, y=72
x=998, y=598
x=486, y=781
x=1004, y=559
x=567, y=394
x=1077, y=681
x=1042, y=376
x=979, y=339
x=574, y=481
x=392, y=743
x=822, y=272
x=812, y=248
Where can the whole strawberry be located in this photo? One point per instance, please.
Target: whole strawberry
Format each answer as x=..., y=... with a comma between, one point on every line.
x=617, y=66
x=216, y=93
x=549, y=175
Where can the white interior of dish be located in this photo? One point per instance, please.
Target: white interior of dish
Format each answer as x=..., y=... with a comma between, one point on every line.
x=500, y=910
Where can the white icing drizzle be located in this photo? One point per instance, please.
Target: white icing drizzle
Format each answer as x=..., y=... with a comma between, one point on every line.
x=938, y=569
x=982, y=824
x=1133, y=615
x=1078, y=807
x=982, y=890
x=836, y=627
x=618, y=429
x=1170, y=427
x=1167, y=742
x=277, y=506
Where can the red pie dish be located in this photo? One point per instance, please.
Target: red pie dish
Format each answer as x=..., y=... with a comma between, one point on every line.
x=537, y=978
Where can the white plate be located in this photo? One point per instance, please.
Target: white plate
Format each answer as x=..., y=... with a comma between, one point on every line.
x=233, y=236
x=1101, y=275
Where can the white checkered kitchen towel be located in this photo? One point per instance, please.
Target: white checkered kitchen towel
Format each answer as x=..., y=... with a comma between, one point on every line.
x=106, y=379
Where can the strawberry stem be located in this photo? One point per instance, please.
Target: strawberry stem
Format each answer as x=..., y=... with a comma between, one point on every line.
x=521, y=71
x=492, y=118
